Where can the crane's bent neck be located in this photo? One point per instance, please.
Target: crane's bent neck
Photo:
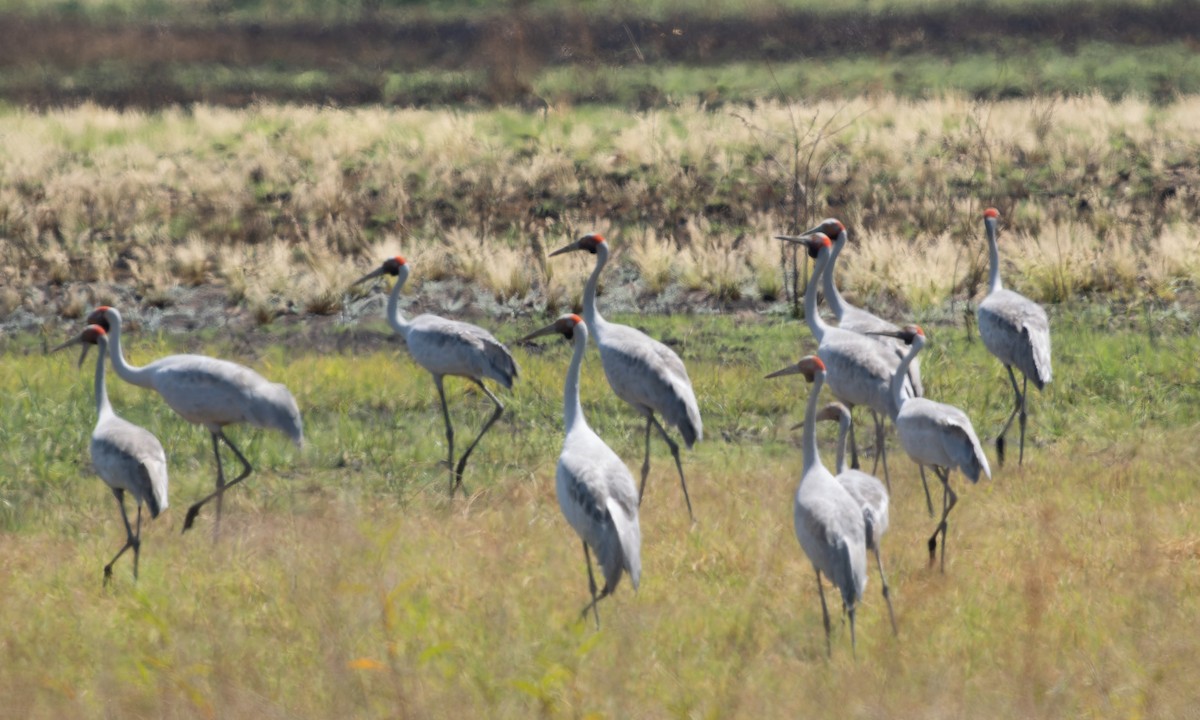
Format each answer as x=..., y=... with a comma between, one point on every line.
x=815, y=323
x=590, y=314
x=103, y=406
x=129, y=373
x=994, y=282
x=398, y=322
x=901, y=374
x=832, y=296
x=809, y=442
x=572, y=410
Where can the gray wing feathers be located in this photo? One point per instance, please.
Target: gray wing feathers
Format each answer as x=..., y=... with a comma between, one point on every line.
x=451, y=347
x=962, y=446
x=1017, y=331
x=274, y=407
x=647, y=374
x=129, y=457
x=629, y=535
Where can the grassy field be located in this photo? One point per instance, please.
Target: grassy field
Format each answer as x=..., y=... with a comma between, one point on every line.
x=346, y=584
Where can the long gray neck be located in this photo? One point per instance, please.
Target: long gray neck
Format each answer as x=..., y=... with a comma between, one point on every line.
x=901, y=374
x=398, y=322
x=590, y=314
x=809, y=442
x=572, y=410
x=832, y=296
x=129, y=373
x=994, y=283
x=843, y=430
x=103, y=407
x=815, y=323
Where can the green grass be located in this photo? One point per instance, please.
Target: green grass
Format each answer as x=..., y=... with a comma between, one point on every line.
x=346, y=584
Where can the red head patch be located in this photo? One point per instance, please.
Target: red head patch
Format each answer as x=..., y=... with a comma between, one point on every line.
x=400, y=260
x=575, y=318
x=992, y=213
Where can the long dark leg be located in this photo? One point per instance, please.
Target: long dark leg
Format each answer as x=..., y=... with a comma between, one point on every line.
x=1018, y=406
x=130, y=540
x=880, y=449
x=949, y=499
x=678, y=464
x=137, y=541
x=646, y=462
x=437, y=380
x=886, y=595
x=824, y=616
x=1024, y=397
x=221, y=485
x=853, y=442
x=925, y=484
x=462, y=461
x=594, y=605
x=853, y=642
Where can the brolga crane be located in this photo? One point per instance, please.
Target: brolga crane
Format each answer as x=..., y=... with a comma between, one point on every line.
x=595, y=490
x=859, y=320
x=828, y=520
x=449, y=347
x=1016, y=330
x=641, y=370
x=866, y=489
x=210, y=392
x=935, y=434
x=127, y=458
x=859, y=368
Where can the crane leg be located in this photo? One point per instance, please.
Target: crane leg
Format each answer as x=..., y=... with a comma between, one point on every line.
x=594, y=605
x=925, y=484
x=462, y=461
x=886, y=595
x=824, y=615
x=949, y=500
x=437, y=380
x=1018, y=408
x=853, y=643
x=646, y=462
x=853, y=441
x=678, y=464
x=880, y=449
x=222, y=486
x=131, y=540
x=1024, y=396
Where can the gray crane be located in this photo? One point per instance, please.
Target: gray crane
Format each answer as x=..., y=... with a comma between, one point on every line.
x=641, y=370
x=127, y=458
x=595, y=490
x=449, y=347
x=1016, y=330
x=828, y=520
x=935, y=434
x=210, y=392
x=860, y=368
x=867, y=490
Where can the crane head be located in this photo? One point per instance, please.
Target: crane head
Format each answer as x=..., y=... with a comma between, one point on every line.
x=808, y=366
x=99, y=316
x=908, y=334
x=830, y=226
x=90, y=336
x=565, y=325
x=991, y=214
x=814, y=240
x=391, y=266
x=589, y=243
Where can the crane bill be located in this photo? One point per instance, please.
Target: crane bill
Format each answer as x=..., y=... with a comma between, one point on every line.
x=83, y=355
x=789, y=370
x=566, y=249
x=369, y=276
x=548, y=330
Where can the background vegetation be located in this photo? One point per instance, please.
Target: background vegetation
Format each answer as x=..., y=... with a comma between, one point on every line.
x=223, y=170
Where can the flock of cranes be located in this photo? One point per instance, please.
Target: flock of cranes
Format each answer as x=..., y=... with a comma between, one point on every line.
x=865, y=360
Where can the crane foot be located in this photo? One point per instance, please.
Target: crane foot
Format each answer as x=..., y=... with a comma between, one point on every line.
x=192, y=512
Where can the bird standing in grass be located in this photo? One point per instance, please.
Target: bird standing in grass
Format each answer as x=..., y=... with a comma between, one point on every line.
x=126, y=457
x=866, y=489
x=449, y=347
x=641, y=370
x=828, y=520
x=935, y=434
x=210, y=392
x=1016, y=330
x=595, y=490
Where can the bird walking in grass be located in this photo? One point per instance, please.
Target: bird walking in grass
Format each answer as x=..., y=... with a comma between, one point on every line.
x=641, y=370
x=595, y=489
x=867, y=490
x=210, y=392
x=127, y=458
x=449, y=347
x=936, y=434
x=828, y=520
x=1016, y=330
